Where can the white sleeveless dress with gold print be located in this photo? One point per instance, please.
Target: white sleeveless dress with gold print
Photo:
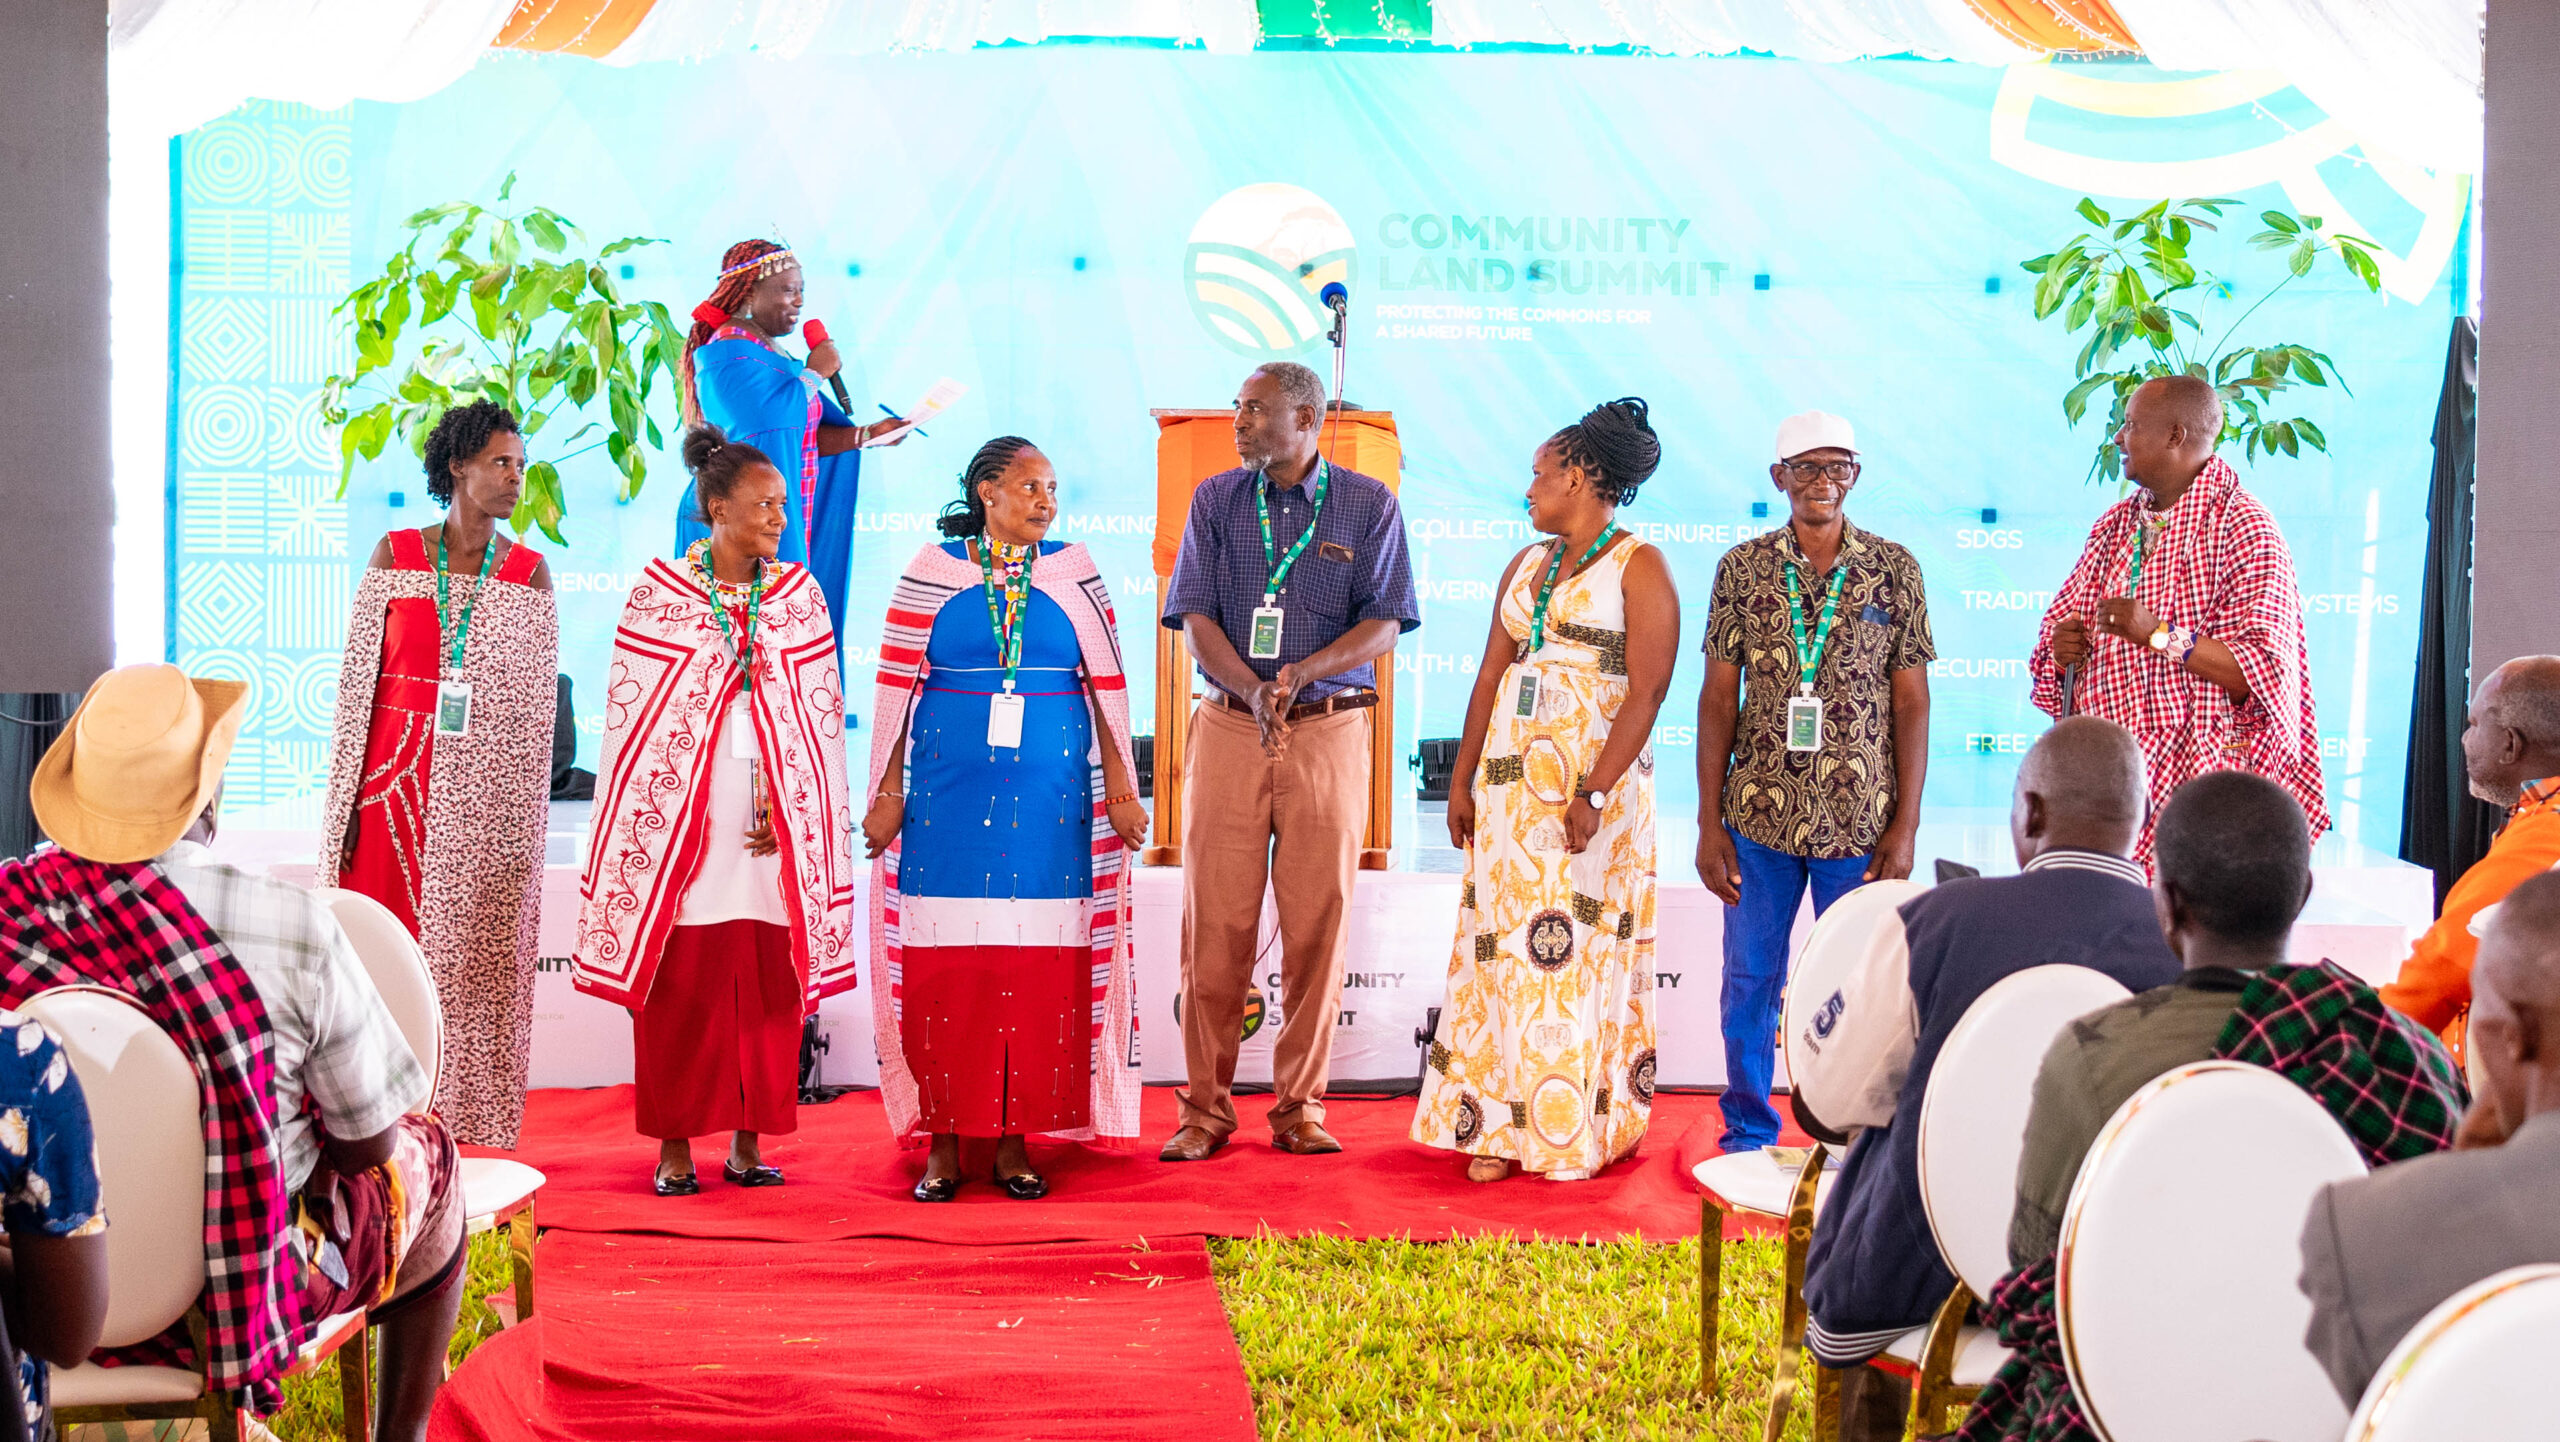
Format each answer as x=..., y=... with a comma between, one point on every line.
x=1545, y=1049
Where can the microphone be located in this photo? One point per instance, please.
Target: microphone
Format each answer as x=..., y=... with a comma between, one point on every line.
x=814, y=332
x=1337, y=297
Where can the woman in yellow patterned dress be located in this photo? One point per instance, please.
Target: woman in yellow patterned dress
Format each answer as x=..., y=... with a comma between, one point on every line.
x=1545, y=1049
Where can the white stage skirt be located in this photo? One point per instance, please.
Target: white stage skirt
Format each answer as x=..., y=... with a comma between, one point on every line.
x=2365, y=910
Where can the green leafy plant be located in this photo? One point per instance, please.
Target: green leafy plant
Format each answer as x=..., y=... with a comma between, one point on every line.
x=504, y=306
x=2128, y=283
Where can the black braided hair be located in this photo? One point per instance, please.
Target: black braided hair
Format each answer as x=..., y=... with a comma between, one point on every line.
x=717, y=462
x=967, y=516
x=1614, y=443
x=460, y=434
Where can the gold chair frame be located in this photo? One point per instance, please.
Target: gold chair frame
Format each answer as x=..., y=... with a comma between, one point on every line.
x=220, y=1408
x=1791, y=1324
x=1938, y=1404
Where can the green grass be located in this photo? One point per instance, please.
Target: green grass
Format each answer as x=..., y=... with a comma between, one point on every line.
x=1496, y=1339
x=1472, y=1339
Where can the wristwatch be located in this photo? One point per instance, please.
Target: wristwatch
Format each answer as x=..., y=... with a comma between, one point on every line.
x=1599, y=799
x=2177, y=640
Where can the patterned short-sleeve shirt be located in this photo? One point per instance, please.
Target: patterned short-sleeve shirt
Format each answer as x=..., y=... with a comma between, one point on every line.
x=48, y=1155
x=1835, y=802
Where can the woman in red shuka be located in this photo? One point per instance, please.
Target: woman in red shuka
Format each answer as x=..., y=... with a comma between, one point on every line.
x=718, y=900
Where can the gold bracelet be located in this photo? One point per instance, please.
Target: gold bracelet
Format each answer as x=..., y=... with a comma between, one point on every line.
x=1116, y=800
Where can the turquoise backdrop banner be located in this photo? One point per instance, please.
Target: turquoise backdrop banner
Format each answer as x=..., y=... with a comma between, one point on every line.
x=1081, y=234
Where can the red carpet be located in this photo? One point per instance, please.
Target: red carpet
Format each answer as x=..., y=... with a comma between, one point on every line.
x=849, y=1180
x=645, y=1337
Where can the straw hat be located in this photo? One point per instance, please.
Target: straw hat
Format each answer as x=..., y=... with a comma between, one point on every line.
x=138, y=762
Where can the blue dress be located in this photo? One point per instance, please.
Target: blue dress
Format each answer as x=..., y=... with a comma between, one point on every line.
x=995, y=880
x=755, y=396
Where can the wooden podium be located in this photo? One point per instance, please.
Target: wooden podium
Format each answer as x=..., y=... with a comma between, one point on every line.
x=1192, y=446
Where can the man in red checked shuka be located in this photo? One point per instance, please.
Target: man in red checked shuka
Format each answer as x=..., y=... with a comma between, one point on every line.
x=2182, y=622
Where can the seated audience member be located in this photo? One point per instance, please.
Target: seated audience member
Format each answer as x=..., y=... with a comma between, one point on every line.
x=1874, y=1272
x=53, y=1270
x=2379, y=1252
x=2234, y=869
x=353, y=1203
x=2511, y=748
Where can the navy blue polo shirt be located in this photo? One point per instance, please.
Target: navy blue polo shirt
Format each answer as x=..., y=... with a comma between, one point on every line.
x=1353, y=570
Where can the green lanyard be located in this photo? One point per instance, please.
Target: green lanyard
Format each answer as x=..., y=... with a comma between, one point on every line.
x=745, y=643
x=1280, y=566
x=1809, y=657
x=1555, y=567
x=444, y=597
x=2141, y=542
x=1007, y=620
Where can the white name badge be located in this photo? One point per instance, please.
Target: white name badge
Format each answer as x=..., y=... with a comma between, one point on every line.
x=1264, y=643
x=1804, y=723
x=1528, y=702
x=1004, y=719
x=453, y=708
x=742, y=733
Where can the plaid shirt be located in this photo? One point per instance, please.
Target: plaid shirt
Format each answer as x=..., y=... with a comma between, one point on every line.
x=336, y=1045
x=64, y=920
x=2220, y=569
x=2389, y=1083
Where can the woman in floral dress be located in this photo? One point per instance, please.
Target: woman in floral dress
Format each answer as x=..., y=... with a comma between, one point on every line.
x=1545, y=1050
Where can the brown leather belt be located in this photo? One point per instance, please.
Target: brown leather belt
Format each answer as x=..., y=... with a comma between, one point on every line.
x=1338, y=701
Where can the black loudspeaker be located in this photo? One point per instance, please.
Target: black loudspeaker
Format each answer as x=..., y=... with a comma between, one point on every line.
x=569, y=782
x=1144, y=748
x=1423, y=1036
x=29, y=722
x=813, y=1045
x=1950, y=870
x=1435, y=757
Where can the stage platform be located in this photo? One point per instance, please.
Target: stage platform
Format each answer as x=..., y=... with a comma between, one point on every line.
x=2365, y=909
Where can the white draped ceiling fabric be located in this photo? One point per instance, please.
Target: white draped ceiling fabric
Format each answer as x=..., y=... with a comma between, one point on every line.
x=2404, y=75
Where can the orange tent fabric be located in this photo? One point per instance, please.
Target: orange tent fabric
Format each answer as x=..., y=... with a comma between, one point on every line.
x=2064, y=25
x=593, y=28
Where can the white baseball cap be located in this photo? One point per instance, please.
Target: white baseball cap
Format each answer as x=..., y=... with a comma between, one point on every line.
x=1812, y=431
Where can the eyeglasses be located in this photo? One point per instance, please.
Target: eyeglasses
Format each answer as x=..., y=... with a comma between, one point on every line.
x=1842, y=471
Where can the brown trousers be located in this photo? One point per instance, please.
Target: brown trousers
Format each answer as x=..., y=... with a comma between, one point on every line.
x=1296, y=822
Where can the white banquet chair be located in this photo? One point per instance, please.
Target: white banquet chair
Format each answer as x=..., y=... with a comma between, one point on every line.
x=1973, y=1125
x=2470, y=1369
x=151, y=1183
x=495, y=1191
x=2181, y=1317
x=1753, y=1183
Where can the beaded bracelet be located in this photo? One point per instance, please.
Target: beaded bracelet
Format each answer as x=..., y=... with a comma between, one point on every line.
x=1116, y=800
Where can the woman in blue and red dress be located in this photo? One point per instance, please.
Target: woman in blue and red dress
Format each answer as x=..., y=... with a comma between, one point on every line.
x=1001, y=1003
x=440, y=776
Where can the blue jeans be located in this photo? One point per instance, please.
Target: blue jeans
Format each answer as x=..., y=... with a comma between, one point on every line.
x=1755, y=973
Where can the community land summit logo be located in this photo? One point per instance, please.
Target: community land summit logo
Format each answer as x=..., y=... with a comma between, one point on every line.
x=1258, y=258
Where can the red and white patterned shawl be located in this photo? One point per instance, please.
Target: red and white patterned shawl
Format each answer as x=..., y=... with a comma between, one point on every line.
x=1069, y=577
x=2222, y=569
x=673, y=678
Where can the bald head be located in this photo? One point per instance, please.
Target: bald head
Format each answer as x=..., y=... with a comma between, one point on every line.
x=2188, y=401
x=2515, y=1005
x=2514, y=733
x=2082, y=787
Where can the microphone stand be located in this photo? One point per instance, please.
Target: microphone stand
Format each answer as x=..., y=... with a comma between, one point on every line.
x=1340, y=335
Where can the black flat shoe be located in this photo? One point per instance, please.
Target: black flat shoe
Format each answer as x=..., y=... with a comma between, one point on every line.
x=937, y=1189
x=1024, y=1186
x=756, y=1176
x=684, y=1186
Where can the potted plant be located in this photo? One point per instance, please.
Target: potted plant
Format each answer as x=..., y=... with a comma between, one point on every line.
x=506, y=306
x=2129, y=283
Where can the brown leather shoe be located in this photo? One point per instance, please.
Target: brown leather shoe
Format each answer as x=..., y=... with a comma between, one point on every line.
x=1191, y=1144
x=1306, y=1139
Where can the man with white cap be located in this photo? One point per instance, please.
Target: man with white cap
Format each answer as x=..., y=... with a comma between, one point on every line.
x=327, y=1188
x=1813, y=737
